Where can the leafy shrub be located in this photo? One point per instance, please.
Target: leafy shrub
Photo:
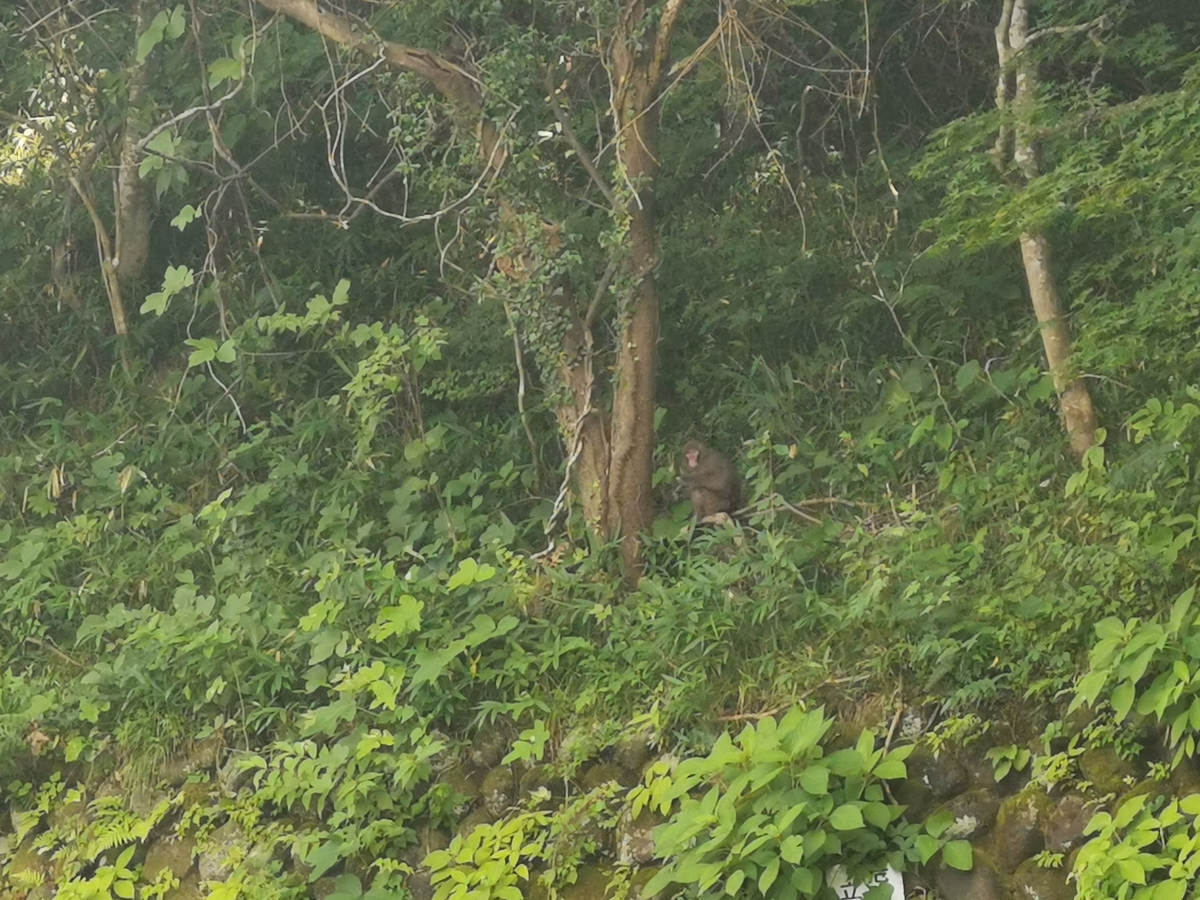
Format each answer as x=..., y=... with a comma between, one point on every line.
x=768, y=811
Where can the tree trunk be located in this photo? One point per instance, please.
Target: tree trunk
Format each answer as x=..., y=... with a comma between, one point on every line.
x=1016, y=89
x=639, y=59
x=133, y=206
x=1074, y=400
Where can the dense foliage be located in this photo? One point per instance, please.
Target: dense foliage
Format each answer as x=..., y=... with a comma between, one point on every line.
x=317, y=499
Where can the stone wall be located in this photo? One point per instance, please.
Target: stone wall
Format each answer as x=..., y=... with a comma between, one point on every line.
x=1011, y=824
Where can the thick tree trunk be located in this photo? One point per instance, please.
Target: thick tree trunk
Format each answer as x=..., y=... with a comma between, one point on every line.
x=630, y=505
x=639, y=58
x=1016, y=89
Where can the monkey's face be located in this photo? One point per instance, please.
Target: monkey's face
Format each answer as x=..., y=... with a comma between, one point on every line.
x=692, y=455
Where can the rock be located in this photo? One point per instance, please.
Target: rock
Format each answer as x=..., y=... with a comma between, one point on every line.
x=1106, y=770
x=1032, y=882
x=202, y=756
x=579, y=744
x=429, y=839
x=1185, y=779
x=322, y=887
x=143, y=800
x=1064, y=827
x=62, y=815
x=488, y=748
x=542, y=786
x=983, y=882
x=1018, y=834
x=591, y=883
x=189, y=889
x=217, y=854
x=635, y=837
x=930, y=780
x=231, y=777
x=196, y=793
x=28, y=861
x=466, y=784
x=478, y=817
x=175, y=855
x=602, y=773
x=632, y=752
x=974, y=812
x=498, y=791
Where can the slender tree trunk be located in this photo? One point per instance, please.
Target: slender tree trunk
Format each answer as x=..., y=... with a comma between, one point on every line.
x=1074, y=400
x=133, y=201
x=1016, y=144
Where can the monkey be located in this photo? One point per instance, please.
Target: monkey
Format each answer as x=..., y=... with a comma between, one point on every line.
x=714, y=484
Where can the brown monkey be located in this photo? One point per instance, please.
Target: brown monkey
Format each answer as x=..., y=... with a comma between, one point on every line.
x=714, y=484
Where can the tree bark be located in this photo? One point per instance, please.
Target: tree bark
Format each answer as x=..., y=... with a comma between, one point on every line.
x=639, y=59
x=133, y=207
x=1016, y=90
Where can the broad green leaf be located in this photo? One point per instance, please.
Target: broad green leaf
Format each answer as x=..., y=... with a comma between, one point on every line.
x=957, y=855
x=804, y=879
x=223, y=69
x=734, y=882
x=768, y=876
x=1170, y=890
x=1122, y=699
x=927, y=846
x=1131, y=871
x=815, y=780
x=791, y=849
x=846, y=817
x=1190, y=804
x=891, y=769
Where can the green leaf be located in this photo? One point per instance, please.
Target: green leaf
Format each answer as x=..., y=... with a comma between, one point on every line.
x=662, y=878
x=846, y=817
x=815, y=780
x=1122, y=699
x=205, y=352
x=768, y=876
x=791, y=849
x=878, y=814
x=175, y=23
x=224, y=69
x=891, y=769
x=957, y=855
x=927, y=846
x=804, y=880
x=185, y=217
x=1170, y=890
x=1191, y=804
x=399, y=620
x=323, y=858
x=1131, y=871
x=734, y=882
x=152, y=36
x=846, y=763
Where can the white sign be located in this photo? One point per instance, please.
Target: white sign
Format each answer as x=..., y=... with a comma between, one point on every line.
x=846, y=891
